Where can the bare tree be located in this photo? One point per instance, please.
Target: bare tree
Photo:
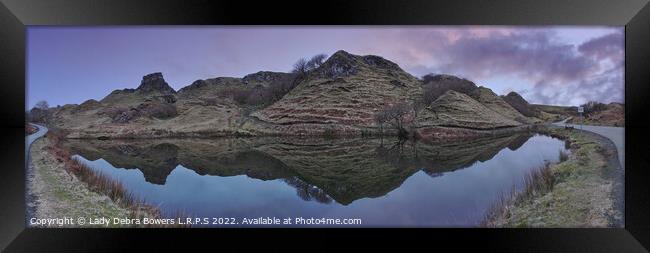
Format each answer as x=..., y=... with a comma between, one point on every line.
x=425, y=102
x=303, y=65
x=315, y=61
x=592, y=107
x=300, y=67
x=397, y=116
x=380, y=119
x=43, y=105
x=40, y=112
x=417, y=105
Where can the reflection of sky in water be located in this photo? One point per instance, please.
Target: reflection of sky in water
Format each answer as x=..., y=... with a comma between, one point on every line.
x=457, y=198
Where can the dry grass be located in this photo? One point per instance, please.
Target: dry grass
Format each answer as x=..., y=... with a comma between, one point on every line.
x=536, y=183
x=564, y=156
x=102, y=184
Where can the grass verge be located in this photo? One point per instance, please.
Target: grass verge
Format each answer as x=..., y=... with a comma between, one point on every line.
x=576, y=192
x=99, y=183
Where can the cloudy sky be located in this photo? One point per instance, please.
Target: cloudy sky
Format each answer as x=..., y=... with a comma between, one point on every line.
x=552, y=65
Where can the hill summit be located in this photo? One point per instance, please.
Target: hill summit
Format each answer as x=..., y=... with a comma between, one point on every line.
x=155, y=83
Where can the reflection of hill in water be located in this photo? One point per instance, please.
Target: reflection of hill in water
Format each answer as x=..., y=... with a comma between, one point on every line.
x=320, y=169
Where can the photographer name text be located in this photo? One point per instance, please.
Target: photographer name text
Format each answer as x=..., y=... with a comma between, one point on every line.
x=213, y=221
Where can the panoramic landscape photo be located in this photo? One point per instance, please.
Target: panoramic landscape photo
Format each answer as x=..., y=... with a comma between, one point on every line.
x=344, y=126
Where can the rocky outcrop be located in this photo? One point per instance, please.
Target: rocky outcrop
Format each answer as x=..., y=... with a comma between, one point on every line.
x=265, y=78
x=154, y=83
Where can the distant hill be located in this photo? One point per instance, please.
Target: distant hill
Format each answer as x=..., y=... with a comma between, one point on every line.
x=520, y=104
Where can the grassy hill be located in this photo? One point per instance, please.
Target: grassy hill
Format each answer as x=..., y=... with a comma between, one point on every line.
x=340, y=96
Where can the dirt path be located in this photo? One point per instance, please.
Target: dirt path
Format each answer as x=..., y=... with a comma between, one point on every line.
x=30, y=197
x=57, y=194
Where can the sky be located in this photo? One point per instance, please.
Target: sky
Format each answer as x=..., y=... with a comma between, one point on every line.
x=563, y=65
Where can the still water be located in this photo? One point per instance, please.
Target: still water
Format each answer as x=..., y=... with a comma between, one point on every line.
x=383, y=182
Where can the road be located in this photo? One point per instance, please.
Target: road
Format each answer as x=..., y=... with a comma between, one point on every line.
x=32, y=137
x=615, y=134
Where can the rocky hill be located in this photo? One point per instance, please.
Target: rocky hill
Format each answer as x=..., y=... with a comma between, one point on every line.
x=222, y=86
x=342, y=95
x=153, y=109
x=346, y=90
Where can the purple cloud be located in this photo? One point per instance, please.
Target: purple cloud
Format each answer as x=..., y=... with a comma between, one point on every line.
x=556, y=71
x=606, y=47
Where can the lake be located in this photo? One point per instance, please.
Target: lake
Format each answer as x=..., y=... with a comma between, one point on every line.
x=382, y=181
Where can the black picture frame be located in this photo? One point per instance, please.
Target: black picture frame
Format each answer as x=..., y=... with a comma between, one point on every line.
x=15, y=15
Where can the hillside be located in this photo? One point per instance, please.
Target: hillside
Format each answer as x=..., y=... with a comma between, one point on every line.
x=152, y=110
x=347, y=90
x=555, y=113
x=458, y=109
x=341, y=96
x=437, y=85
x=492, y=101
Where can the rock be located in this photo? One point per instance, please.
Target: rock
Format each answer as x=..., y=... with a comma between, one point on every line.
x=126, y=116
x=266, y=77
x=155, y=82
x=170, y=99
x=340, y=64
x=380, y=62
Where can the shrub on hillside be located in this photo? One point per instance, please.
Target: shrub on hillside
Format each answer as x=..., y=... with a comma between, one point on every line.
x=436, y=85
x=592, y=107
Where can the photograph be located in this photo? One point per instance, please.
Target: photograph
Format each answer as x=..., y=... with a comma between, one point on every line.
x=401, y=126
